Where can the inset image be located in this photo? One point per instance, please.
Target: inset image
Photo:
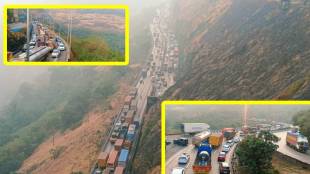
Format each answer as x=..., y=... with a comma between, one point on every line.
x=66, y=35
x=239, y=137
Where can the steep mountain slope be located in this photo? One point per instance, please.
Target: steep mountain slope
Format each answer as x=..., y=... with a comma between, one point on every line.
x=243, y=50
x=236, y=49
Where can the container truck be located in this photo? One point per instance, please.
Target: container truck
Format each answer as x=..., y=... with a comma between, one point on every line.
x=136, y=121
x=133, y=105
x=297, y=141
x=112, y=160
x=102, y=159
x=130, y=136
x=200, y=137
x=123, y=157
x=229, y=133
x=118, y=144
x=216, y=139
x=202, y=163
x=119, y=170
x=192, y=128
x=129, y=116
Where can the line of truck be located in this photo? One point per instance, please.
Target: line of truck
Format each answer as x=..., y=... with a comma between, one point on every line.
x=122, y=137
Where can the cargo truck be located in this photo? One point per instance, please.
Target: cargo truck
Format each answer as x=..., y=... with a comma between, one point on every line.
x=216, y=139
x=123, y=157
x=201, y=137
x=129, y=116
x=133, y=105
x=102, y=159
x=112, y=160
x=130, y=136
x=229, y=133
x=297, y=141
x=118, y=144
x=119, y=170
x=202, y=163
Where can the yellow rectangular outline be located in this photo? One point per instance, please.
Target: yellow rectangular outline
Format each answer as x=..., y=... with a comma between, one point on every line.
x=66, y=6
x=212, y=102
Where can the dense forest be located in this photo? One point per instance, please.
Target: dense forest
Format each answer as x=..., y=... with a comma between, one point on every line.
x=58, y=102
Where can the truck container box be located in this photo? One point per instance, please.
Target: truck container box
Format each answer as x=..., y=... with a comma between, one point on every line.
x=102, y=159
x=112, y=159
x=123, y=157
x=127, y=144
x=118, y=144
x=216, y=139
x=119, y=170
x=129, y=117
x=133, y=105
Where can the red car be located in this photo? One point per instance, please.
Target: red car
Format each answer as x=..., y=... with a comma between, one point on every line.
x=221, y=157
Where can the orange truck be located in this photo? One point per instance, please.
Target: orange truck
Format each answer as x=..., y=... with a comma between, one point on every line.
x=118, y=144
x=216, y=139
x=112, y=160
x=102, y=159
x=119, y=170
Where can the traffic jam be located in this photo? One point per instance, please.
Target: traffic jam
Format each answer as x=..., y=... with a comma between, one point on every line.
x=119, y=149
x=212, y=151
x=205, y=152
x=44, y=45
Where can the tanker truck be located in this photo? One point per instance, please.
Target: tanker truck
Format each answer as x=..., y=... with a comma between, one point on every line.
x=202, y=164
x=297, y=141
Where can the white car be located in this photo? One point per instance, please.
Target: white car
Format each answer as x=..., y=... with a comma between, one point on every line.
x=32, y=43
x=236, y=139
x=230, y=143
x=183, y=159
x=55, y=53
x=226, y=148
x=61, y=47
x=178, y=170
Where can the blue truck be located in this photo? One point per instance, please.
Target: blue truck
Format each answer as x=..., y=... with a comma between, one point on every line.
x=202, y=162
x=123, y=157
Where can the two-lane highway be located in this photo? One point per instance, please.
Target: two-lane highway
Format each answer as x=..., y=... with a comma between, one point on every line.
x=172, y=160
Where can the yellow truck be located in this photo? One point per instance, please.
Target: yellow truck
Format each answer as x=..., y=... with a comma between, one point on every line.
x=216, y=139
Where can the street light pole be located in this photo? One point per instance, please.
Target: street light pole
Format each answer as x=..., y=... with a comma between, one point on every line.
x=28, y=35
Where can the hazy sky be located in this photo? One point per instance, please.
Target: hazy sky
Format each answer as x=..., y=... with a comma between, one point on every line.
x=12, y=77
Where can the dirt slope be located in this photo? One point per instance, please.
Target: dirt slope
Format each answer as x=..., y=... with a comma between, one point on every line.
x=79, y=146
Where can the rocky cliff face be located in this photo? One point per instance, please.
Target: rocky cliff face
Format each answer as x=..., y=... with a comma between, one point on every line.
x=236, y=49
